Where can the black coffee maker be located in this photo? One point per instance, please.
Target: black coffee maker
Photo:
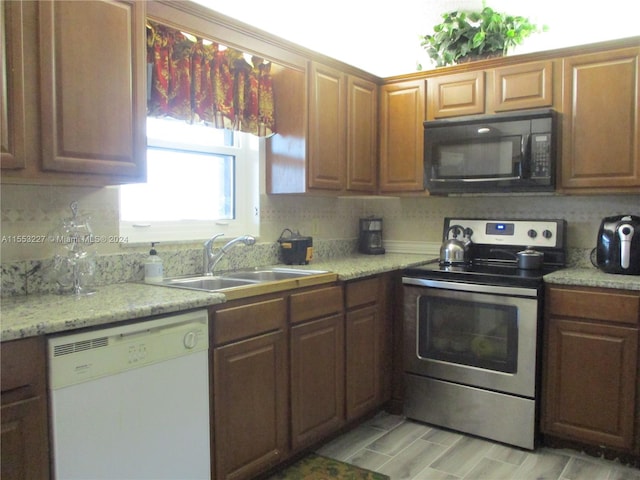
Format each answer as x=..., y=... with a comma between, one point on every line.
x=370, y=241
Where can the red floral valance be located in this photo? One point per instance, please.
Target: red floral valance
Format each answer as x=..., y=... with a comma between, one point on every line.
x=200, y=81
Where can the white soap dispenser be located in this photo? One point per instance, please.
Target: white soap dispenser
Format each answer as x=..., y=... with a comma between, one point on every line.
x=153, y=269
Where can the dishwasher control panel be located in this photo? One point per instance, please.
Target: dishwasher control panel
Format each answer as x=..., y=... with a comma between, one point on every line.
x=89, y=355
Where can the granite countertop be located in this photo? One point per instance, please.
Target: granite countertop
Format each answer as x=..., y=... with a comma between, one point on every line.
x=31, y=315
x=360, y=265
x=592, y=277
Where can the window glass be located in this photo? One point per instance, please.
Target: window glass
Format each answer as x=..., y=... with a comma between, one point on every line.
x=200, y=181
x=182, y=185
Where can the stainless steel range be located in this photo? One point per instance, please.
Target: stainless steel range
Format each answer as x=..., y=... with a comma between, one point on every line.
x=472, y=328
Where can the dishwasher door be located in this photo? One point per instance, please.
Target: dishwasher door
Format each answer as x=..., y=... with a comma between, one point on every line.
x=132, y=402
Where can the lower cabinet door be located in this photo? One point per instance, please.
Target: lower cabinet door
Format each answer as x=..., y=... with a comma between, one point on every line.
x=362, y=361
x=24, y=451
x=24, y=423
x=590, y=373
x=317, y=380
x=250, y=403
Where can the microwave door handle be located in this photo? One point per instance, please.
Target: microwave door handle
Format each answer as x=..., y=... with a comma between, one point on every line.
x=474, y=180
x=525, y=146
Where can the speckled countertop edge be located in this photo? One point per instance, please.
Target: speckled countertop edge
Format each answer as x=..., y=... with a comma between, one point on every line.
x=592, y=277
x=360, y=265
x=31, y=315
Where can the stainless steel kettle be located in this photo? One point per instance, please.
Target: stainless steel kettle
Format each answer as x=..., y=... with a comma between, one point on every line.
x=454, y=251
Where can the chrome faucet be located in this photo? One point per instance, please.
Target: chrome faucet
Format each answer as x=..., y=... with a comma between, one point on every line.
x=211, y=259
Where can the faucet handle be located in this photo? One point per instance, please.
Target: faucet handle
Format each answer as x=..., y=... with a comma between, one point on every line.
x=249, y=240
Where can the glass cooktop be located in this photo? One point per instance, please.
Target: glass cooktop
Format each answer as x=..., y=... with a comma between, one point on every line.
x=492, y=273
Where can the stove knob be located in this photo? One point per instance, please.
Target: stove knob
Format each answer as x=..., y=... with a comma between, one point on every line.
x=547, y=234
x=532, y=233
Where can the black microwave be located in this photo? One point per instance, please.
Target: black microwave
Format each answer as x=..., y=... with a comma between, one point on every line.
x=500, y=153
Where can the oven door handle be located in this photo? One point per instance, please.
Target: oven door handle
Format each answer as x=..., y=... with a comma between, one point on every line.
x=471, y=287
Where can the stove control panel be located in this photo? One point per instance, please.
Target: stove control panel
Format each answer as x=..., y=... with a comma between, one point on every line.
x=535, y=233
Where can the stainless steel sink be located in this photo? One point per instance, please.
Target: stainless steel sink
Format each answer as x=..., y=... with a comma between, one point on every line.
x=238, y=278
x=206, y=283
x=271, y=274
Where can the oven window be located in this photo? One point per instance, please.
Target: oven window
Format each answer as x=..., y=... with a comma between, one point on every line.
x=471, y=333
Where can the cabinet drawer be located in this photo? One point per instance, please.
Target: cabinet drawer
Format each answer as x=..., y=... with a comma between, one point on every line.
x=244, y=321
x=316, y=303
x=595, y=304
x=23, y=366
x=362, y=292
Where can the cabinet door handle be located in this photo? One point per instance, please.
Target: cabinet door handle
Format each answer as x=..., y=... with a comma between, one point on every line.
x=15, y=394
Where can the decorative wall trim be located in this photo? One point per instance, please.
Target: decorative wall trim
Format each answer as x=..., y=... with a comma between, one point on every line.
x=422, y=248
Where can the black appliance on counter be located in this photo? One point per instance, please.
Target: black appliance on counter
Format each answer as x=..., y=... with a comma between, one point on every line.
x=618, y=247
x=370, y=239
x=295, y=249
x=499, y=153
x=472, y=331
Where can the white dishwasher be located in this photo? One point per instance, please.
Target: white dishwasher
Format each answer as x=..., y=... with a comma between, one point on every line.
x=132, y=402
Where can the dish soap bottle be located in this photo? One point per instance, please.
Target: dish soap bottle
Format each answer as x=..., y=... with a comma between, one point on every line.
x=153, y=269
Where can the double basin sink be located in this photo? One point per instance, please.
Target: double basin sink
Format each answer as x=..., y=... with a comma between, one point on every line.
x=239, y=278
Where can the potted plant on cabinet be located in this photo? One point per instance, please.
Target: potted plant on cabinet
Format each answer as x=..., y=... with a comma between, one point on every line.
x=468, y=36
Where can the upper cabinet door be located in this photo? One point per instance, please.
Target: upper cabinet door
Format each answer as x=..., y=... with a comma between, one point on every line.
x=12, y=101
x=600, y=127
x=523, y=86
x=362, y=138
x=327, y=134
x=455, y=95
x=402, y=113
x=93, y=102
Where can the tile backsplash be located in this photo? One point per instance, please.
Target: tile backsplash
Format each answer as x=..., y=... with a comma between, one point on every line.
x=33, y=211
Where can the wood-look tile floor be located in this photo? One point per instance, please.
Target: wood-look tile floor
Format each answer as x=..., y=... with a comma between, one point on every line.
x=404, y=449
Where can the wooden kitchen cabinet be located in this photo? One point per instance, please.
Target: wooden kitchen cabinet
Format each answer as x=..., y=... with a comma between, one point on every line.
x=327, y=132
x=600, y=124
x=521, y=86
x=24, y=438
x=13, y=134
x=456, y=94
x=250, y=387
x=512, y=87
x=402, y=113
x=590, y=365
x=368, y=346
x=84, y=75
x=339, y=151
x=286, y=151
x=317, y=365
x=362, y=135
x=277, y=392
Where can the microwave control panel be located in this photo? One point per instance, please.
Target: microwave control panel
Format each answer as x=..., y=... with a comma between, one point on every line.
x=541, y=155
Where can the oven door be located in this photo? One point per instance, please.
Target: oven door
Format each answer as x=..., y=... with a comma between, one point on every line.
x=478, y=335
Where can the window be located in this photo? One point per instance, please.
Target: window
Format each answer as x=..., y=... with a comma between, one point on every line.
x=200, y=181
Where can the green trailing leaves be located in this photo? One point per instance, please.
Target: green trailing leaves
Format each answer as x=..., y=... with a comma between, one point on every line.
x=463, y=34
